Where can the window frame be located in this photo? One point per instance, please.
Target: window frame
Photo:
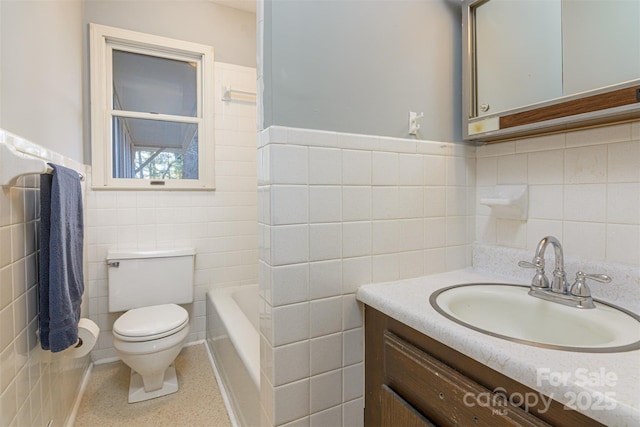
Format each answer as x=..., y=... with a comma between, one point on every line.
x=103, y=39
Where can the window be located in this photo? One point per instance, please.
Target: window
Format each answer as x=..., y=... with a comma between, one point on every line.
x=151, y=111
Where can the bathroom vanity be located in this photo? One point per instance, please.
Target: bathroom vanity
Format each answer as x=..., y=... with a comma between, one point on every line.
x=422, y=369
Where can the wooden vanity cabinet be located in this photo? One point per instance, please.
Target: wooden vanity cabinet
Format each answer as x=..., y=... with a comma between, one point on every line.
x=412, y=380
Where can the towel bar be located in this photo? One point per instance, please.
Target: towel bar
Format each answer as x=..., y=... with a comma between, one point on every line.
x=14, y=164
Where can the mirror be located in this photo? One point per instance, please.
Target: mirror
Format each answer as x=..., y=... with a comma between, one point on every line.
x=540, y=66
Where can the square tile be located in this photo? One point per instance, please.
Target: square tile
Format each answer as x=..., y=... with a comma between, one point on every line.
x=623, y=243
x=352, y=312
x=355, y=272
x=385, y=268
x=624, y=162
x=326, y=353
x=435, y=202
x=410, y=202
x=325, y=241
x=585, y=240
x=356, y=203
x=585, y=202
x=326, y=316
x=291, y=401
x=353, y=382
x=410, y=235
x=327, y=418
x=288, y=164
x=326, y=390
x=546, y=167
x=353, y=413
x=384, y=202
x=623, y=203
x=325, y=166
x=410, y=169
x=356, y=167
x=289, y=204
x=290, y=323
x=434, y=170
x=585, y=165
x=384, y=237
x=325, y=279
x=546, y=201
x=289, y=244
x=291, y=362
x=384, y=168
x=356, y=239
x=325, y=204
x=352, y=345
x=289, y=284
x=512, y=169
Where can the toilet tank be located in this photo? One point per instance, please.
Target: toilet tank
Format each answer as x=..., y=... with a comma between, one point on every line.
x=144, y=278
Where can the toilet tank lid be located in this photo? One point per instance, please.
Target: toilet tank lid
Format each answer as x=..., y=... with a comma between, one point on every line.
x=152, y=253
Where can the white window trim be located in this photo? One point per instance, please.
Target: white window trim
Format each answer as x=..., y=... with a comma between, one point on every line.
x=102, y=38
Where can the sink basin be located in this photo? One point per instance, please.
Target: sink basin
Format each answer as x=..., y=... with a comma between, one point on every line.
x=507, y=311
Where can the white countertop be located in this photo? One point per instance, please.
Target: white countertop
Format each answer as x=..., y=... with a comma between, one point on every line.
x=603, y=386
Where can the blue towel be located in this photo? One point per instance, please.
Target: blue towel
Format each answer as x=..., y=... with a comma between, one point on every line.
x=61, y=242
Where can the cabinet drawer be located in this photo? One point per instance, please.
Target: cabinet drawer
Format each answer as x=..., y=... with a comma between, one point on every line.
x=443, y=395
x=397, y=412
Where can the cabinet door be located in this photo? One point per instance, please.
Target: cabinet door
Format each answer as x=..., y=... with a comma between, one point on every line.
x=444, y=395
x=397, y=412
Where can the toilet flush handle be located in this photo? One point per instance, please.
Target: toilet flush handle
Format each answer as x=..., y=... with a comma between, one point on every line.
x=115, y=264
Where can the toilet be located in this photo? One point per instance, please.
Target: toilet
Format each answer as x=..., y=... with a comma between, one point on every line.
x=149, y=285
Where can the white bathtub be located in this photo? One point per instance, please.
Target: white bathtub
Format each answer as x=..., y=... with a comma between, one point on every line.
x=232, y=336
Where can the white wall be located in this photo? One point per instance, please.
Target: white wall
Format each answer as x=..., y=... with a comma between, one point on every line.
x=336, y=211
x=221, y=225
x=36, y=386
x=41, y=101
x=41, y=51
x=361, y=66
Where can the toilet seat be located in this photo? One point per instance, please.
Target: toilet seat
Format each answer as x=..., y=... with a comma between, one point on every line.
x=150, y=323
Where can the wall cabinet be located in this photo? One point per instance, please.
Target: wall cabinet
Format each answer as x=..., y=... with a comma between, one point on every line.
x=413, y=380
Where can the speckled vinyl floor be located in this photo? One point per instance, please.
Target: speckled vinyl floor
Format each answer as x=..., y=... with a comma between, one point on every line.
x=196, y=403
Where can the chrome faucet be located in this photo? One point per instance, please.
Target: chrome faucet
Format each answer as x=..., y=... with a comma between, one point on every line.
x=558, y=291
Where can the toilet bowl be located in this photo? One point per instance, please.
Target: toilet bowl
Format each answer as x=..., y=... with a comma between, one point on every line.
x=148, y=286
x=148, y=339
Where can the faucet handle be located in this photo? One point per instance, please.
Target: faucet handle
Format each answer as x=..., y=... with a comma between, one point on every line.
x=580, y=288
x=527, y=264
x=539, y=280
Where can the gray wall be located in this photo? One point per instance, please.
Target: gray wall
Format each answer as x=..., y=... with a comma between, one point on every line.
x=361, y=66
x=41, y=57
x=231, y=32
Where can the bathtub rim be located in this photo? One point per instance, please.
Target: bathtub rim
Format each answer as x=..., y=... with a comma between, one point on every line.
x=237, y=325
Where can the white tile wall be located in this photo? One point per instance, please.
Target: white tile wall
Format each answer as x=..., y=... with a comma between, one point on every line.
x=584, y=188
x=221, y=225
x=380, y=209
x=36, y=386
x=338, y=211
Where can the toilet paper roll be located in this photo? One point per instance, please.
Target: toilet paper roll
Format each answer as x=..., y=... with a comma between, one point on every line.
x=88, y=333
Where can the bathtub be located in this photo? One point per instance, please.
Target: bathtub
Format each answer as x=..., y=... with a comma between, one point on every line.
x=232, y=336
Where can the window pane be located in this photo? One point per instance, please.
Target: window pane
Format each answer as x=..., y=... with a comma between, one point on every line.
x=150, y=84
x=154, y=149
